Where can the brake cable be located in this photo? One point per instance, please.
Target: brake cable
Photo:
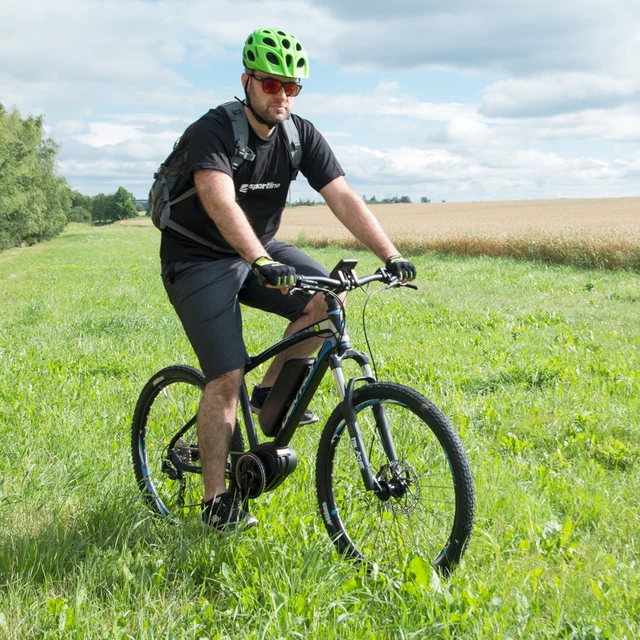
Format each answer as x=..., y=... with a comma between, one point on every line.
x=364, y=325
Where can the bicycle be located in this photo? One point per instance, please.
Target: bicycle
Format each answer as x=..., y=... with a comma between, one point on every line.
x=392, y=477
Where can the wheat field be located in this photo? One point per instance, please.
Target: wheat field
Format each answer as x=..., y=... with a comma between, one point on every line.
x=601, y=215
x=594, y=232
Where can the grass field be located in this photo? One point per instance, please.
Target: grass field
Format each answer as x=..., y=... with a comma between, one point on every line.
x=537, y=365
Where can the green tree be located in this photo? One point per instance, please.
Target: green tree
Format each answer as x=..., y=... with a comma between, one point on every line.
x=124, y=204
x=33, y=199
x=100, y=208
x=79, y=214
x=80, y=200
x=111, y=208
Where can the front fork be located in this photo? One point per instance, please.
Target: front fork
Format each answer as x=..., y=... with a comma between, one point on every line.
x=346, y=392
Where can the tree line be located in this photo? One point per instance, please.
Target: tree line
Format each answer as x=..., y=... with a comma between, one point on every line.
x=393, y=200
x=373, y=200
x=102, y=208
x=35, y=202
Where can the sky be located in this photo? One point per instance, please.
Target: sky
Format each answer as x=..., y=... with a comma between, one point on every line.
x=454, y=100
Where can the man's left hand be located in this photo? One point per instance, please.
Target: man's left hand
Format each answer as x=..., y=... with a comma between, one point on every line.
x=400, y=268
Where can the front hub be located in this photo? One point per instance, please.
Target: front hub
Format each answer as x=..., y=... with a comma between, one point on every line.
x=398, y=486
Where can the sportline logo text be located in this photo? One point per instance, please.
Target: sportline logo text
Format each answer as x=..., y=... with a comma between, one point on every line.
x=255, y=187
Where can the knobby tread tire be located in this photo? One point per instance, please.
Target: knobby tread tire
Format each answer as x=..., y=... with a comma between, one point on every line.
x=434, y=420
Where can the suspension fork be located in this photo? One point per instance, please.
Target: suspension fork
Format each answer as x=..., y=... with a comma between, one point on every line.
x=348, y=411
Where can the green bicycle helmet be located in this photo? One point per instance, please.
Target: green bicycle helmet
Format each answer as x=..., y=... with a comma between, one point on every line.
x=277, y=52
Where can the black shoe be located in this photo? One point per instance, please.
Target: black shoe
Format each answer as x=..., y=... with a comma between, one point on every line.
x=259, y=395
x=223, y=514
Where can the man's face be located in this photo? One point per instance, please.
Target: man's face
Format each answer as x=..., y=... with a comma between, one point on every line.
x=274, y=108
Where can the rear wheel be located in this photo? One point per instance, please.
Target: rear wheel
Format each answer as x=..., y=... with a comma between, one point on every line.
x=422, y=510
x=164, y=440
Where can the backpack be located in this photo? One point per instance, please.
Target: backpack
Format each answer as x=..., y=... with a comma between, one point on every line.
x=163, y=194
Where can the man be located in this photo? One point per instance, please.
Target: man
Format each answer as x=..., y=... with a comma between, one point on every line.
x=239, y=212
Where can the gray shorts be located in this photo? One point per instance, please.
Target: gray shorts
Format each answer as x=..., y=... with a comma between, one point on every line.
x=207, y=297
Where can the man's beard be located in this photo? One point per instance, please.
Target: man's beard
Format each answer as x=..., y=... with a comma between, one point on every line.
x=264, y=113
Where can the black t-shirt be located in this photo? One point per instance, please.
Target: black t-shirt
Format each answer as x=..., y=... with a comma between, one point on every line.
x=261, y=186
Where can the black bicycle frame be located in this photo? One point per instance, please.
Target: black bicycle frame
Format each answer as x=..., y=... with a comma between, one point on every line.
x=334, y=351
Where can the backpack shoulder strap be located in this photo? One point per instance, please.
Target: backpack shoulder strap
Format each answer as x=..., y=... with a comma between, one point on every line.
x=240, y=125
x=293, y=144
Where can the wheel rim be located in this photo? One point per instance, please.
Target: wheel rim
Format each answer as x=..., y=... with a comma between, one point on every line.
x=411, y=523
x=173, y=405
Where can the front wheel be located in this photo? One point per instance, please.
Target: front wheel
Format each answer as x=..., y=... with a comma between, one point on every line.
x=423, y=506
x=164, y=440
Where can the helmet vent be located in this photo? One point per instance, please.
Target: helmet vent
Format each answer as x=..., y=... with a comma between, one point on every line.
x=250, y=56
x=289, y=60
x=281, y=33
x=298, y=46
x=272, y=58
x=269, y=42
x=250, y=40
x=300, y=63
x=286, y=44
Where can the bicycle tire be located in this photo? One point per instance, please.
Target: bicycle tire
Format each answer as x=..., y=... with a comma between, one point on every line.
x=432, y=520
x=167, y=403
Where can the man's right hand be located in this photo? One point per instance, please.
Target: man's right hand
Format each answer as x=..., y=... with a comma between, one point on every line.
x=273, y=274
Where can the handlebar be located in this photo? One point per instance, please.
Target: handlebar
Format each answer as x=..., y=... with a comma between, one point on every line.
x=346, y=282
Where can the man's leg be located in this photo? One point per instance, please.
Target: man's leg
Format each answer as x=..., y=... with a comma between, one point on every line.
x=216, y=423
x=205, y=297
x=291, y=307
x=315, y=311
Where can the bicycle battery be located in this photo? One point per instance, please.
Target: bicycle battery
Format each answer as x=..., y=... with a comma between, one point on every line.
x=282, y=393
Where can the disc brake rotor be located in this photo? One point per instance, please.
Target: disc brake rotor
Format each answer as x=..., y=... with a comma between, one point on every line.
x=402, y=484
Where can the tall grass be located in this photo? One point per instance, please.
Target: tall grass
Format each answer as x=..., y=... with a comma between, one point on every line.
x=536, y=365
x=584, y=250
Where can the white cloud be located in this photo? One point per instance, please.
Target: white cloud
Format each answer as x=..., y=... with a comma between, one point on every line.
x=557, y=93
x=120, y=80
x=621, y=126
x=498, y=35
x=465, y=130
x=102, y=134
x=70, y=127
x=394, y=165
x=385, y=100
x=527, y=173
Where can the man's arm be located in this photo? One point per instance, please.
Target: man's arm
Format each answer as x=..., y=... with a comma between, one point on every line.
x=354, y=214
x=217, y=194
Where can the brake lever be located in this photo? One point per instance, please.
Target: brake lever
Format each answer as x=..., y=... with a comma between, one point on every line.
x=305, y=289
x=396, y=282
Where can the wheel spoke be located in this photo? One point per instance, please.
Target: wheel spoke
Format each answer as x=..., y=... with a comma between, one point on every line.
x=415, y=511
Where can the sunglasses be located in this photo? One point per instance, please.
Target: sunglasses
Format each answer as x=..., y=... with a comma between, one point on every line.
x=271, y=85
